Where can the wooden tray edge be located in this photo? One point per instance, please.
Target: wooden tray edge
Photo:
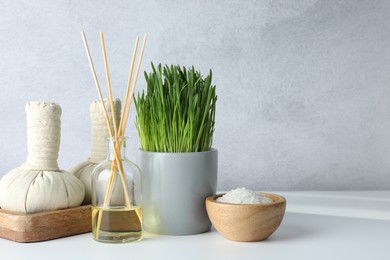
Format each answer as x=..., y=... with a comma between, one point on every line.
x=35, y=227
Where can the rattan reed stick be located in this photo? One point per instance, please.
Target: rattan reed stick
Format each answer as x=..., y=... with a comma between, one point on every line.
x=121, y=133
x=118, y=143
x=127, y=108
x=108, y=83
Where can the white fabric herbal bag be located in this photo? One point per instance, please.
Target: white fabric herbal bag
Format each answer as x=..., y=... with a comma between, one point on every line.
x=39, y=184
x=99, y=135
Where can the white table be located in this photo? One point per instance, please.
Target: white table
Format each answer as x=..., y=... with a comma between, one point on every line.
x=317, y=225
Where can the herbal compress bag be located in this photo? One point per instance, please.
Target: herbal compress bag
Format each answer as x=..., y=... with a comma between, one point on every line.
x=39, y=185
x=99, y=134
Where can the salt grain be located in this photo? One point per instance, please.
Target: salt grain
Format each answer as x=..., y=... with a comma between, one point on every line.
x=244, y=196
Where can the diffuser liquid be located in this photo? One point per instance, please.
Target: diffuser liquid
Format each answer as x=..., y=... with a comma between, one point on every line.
x=117, y=225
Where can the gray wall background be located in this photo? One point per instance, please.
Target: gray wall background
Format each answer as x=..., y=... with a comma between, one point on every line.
x=303, y=85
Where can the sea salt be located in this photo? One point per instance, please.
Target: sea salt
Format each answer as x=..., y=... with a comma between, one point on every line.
x=244, y=196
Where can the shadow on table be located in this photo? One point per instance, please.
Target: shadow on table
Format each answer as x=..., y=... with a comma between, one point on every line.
x=292, y=227
x=290, y=232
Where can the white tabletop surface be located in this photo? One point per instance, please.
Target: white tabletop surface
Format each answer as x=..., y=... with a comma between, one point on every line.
x=317, y=225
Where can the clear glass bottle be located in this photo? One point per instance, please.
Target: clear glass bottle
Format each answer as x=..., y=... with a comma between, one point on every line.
x=116, y=198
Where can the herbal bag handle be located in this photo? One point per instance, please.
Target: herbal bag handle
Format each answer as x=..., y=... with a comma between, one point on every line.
x=99, y=131
x=43, y=135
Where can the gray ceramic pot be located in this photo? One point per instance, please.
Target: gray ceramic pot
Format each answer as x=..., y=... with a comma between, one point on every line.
x=174, y=189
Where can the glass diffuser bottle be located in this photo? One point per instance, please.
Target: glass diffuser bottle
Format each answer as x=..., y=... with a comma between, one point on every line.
x=116, y=197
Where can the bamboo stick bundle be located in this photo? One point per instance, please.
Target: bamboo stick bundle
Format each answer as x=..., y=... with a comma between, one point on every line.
x=117, y=133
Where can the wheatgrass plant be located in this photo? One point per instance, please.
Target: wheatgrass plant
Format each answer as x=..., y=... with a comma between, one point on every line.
x=177, y=112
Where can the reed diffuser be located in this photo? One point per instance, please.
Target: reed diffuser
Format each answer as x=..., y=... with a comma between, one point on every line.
x=116, y=182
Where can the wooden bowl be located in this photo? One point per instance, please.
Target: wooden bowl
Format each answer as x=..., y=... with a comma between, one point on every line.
x=246, y=222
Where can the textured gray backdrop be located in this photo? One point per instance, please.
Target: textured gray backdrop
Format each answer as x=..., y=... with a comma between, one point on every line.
x=303, y=85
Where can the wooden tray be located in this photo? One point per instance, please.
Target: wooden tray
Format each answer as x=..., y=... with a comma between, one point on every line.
x=34, y=227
